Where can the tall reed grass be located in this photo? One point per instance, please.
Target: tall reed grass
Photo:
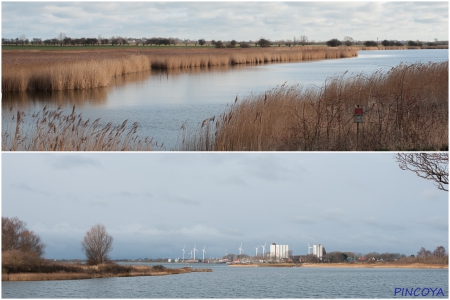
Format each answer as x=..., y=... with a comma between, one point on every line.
x=406, y=108
x=78, y=75
x=76, y=70
x=51, y=130
x=19, y=266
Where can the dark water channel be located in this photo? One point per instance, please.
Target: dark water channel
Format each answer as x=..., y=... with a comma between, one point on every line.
x=162, y=101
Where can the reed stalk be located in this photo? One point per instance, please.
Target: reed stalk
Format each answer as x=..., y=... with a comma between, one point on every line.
x=79, y=70
x=51, y=130
x=406, y=109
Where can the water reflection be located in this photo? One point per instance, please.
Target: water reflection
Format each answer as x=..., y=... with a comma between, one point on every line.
x=99, y=96
x=23, y=100
x=161, y=101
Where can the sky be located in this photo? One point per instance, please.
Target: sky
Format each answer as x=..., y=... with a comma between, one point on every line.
x=154, y=204
x=242, y=21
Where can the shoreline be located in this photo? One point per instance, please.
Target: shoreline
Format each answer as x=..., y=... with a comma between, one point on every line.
x=82, y=70
x=346, y=265
x=138, y=271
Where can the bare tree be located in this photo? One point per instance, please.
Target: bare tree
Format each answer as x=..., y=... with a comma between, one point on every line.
x=303, y=40
x=15, y=236
x=61, y=37
x=97, y=243
x=431, y=166
x=348, y=41
x=439, y=252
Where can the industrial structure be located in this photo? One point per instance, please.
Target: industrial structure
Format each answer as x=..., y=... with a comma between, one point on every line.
x=318, y=251
x=278, y=251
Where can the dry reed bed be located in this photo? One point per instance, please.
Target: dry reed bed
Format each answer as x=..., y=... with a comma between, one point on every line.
x=51, y=130
x=405, y=109
x=89, y=272
x=77, y=70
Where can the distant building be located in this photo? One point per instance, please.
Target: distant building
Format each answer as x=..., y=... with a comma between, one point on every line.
x=318, y=251
x=278, y=251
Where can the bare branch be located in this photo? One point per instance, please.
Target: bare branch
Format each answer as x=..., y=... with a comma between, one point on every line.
x=431, y=166
x=97, y=243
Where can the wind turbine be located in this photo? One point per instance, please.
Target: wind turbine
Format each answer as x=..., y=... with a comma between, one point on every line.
x=190, y=254
x=183, y=251
x=194, y=250
x=309, y=247
x=240, y=249
x=264, y=248
x=204, y=251
x=256, y=250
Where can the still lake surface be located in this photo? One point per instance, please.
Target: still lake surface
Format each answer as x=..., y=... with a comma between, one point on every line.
x=235, y=282
x=162, y=101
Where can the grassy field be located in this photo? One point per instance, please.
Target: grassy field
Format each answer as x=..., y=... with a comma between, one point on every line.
x=405, y=109
x=83, y=69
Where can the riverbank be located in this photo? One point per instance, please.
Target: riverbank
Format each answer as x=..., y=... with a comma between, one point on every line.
x=404, y=109
x=79, y=70
x=90, y=272
x=377, y=265
x=346, y=265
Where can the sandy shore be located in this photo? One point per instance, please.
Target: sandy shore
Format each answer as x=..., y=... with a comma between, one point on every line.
x=346, y=265
x=376, y=265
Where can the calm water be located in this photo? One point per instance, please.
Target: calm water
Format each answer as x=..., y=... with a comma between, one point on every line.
x=231, y=282
x=163, y=101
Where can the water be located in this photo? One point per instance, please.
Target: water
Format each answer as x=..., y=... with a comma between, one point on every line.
x=237, y=282
x=163, y=101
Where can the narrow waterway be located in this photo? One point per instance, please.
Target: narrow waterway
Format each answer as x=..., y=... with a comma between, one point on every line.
x=162, y=101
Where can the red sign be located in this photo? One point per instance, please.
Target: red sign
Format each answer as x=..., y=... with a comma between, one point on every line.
x=358, y=111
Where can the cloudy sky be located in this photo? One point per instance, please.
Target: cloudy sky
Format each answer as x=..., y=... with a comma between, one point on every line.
x=154, y=204
x=319, y=21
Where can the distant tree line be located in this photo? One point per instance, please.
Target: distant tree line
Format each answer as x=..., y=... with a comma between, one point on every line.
x=63, y=40
x=348, y=41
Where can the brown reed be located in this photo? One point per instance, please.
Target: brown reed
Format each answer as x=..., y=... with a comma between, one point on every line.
x=77, y=70
x=51, y=130
x=46, y=270
x=406, y=108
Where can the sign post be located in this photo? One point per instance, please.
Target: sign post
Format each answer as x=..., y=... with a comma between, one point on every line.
x=358, y=117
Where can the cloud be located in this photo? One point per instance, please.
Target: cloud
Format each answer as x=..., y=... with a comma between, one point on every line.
x=24, y=187
x=233, y=180
x=59, y=228
x=383, y=224
x=225, y=20
x=181, y=200
x=431, y=194
x=200, y=230
x=136, y=228
x=305, y=220
x=436, y=222
x=68, y=162
x=335, y=215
